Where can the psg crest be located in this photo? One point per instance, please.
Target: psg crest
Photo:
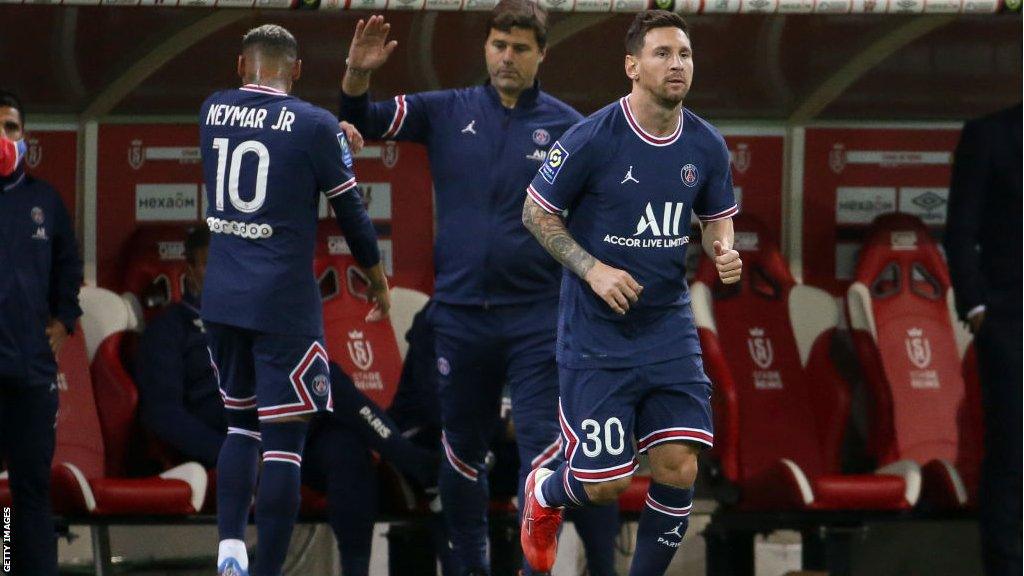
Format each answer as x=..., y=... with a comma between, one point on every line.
x=689, y=175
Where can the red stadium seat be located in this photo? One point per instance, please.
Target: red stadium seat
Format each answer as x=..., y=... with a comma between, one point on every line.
x=911, y=347
x=781, y=407
x=370, y=352
x=95, y=424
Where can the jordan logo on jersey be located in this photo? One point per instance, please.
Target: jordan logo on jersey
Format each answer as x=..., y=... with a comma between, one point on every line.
x=629, y=176
x=469, y=129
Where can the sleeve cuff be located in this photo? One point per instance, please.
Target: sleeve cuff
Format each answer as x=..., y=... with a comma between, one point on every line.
x=542, y=202
x=721, y=215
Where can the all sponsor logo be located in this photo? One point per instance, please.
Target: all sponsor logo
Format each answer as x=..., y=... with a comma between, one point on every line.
x=662, y=230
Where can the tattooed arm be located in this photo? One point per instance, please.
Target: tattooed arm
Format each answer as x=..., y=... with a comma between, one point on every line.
x=616, y=287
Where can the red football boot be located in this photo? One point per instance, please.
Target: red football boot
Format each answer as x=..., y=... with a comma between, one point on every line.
x=538, y=534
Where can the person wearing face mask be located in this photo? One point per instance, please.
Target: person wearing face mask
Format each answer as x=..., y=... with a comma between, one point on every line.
x=40, y=275
x=496, y=290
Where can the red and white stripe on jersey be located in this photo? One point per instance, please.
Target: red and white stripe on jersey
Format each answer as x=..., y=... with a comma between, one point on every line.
x=281, y=456
x=643, y=134
x=669, y=510
x=461, y=467
x=238, y=403
x=675, y=435
x=547, y=455
x=263, y=90
x=398, y=119
x=242, y=431
x=341, y=188
x=605, y=474
x=547, y=206
x=727, y=213
x=305, y=404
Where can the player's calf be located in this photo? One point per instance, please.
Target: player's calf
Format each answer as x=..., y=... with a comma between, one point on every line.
x=277, y=499
x=665, y=517
x=237, y=466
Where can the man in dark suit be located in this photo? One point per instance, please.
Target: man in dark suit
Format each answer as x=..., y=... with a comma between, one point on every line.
x=983, y=245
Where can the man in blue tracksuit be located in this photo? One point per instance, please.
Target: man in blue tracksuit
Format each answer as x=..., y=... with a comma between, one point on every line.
x=496, y=291
x=40, y=274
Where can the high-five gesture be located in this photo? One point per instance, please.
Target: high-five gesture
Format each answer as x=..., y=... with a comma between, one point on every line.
x=728, y=264
x=370, y=47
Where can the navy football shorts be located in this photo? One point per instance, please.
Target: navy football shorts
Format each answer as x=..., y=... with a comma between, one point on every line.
x=609, y=415
x=281, y=375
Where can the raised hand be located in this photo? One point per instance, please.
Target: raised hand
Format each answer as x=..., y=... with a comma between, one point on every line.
x=370, y=47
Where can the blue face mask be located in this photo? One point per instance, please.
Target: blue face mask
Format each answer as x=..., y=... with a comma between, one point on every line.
x=22, y=150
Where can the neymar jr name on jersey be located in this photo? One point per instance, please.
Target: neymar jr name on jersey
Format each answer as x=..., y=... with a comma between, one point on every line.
x=246, y=117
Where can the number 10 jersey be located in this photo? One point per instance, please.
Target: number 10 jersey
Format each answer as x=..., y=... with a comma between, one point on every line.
x=267, y=157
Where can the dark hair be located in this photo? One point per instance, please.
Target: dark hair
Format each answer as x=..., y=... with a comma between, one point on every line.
x=271, y=40
x=197, y=238
x=648, y=20
x=508, y=14
x=9, y=100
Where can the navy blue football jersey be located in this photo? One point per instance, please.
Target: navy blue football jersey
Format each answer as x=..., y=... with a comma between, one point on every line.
x=267, y=157
x=628, y=196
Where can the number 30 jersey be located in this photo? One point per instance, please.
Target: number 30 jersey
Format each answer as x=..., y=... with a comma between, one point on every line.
x=266, y=158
